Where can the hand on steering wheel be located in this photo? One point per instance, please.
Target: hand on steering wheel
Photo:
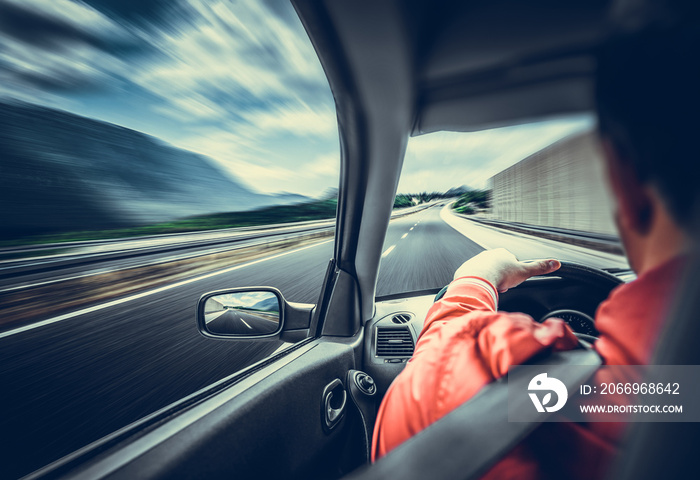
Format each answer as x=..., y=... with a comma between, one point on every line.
x=503, y=270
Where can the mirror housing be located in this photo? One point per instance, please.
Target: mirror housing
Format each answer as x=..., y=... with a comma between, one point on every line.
x=252, y=313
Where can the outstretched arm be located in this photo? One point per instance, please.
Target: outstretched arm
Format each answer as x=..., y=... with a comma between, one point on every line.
x=465, y=344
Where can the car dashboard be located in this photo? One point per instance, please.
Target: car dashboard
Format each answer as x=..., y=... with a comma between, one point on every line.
x=391, y=335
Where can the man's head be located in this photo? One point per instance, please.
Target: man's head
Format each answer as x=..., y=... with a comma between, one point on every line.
x=648, y=99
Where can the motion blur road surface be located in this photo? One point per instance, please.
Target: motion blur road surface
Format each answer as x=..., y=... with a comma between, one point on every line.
x=69, y=383
x=242, y=323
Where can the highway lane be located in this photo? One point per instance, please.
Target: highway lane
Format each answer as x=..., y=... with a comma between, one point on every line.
x=242, y=323
x=69, y=383
x=421, y=252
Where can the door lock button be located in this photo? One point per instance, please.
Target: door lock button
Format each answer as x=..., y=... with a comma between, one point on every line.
x=365, y=383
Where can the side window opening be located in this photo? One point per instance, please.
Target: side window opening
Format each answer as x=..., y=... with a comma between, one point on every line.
x=149, y=153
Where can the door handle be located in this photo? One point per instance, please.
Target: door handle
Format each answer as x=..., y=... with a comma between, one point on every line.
x=332, y=414
x=333, y=404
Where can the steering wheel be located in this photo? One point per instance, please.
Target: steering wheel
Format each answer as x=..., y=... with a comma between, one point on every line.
x=580, y=273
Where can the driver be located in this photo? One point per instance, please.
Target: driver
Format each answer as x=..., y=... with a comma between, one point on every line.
x=647, y=103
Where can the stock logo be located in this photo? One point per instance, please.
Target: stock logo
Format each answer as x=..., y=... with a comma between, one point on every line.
x=540, y=384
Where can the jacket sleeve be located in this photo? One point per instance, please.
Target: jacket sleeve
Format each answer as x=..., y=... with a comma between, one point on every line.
x=464, y=345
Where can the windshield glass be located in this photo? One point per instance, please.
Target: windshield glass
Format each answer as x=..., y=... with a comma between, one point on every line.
x=536, y=189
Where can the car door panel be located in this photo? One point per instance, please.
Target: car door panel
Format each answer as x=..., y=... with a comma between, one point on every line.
x=267, y=425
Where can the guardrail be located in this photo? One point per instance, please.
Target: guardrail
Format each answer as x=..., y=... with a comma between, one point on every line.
x=162, y=236
x=14, y=268
x=186, y=244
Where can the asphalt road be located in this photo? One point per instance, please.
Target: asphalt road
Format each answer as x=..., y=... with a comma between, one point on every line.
x=421, y=252
x=69, y=383
x=242, y=323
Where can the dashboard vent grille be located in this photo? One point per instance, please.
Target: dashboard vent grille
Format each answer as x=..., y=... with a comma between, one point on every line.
x=394, y=342
x=401, y=318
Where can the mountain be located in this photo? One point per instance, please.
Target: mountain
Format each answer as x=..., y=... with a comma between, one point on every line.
x=457, y=191
x=328, y=194
x=61, y=172
x=288, y=198
x=270, y=304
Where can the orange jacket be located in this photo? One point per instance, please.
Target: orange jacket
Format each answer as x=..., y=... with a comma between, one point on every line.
x=465, y=344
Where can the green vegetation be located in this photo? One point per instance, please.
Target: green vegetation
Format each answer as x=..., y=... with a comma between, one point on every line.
x=315, y=210
x=469, y=201
x=466, y=209
x=403, y=200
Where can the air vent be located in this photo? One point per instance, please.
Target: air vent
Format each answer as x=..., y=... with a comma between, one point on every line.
x=401, y=318
x=394, y=342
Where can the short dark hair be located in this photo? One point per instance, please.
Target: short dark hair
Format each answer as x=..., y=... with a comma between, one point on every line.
x=648, y=102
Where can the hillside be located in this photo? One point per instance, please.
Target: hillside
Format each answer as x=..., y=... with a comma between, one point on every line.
x=270, y=304
x=61, y=172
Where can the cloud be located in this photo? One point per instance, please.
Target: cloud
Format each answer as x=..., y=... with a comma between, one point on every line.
x=142, y=13
x=244, y=299
x=45, y=71
x=236, y=81
x=258, y=166
x=53, y=47
x=241, y=49
x=50, y=24
x=298, y=120
x=327, y=165
x=440, y=161
x=196, y=107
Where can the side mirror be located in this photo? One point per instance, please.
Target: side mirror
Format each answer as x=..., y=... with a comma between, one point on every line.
x=241, y=312
x=252, y=312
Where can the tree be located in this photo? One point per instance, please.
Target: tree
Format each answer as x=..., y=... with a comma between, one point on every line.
x=479, y=198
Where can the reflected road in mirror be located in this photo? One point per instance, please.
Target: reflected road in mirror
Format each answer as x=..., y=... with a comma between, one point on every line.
x=242, y=313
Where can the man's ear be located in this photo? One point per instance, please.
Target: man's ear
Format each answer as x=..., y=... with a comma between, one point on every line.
x=635, y=207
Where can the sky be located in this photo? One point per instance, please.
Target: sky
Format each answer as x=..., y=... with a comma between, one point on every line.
x=244, y=299
x=442, y=160
x=237, y=81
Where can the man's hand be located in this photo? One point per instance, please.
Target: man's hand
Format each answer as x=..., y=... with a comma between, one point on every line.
x=503, y=270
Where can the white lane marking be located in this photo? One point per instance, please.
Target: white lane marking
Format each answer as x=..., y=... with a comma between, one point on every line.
x=245, y=323
x=412, y=228
x=102, y=306
x=404, y=236
x=388, y=251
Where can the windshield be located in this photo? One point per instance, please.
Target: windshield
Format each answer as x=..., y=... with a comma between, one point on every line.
x=536, y=189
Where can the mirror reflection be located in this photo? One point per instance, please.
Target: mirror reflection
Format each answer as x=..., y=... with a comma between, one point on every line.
x=242, y=313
